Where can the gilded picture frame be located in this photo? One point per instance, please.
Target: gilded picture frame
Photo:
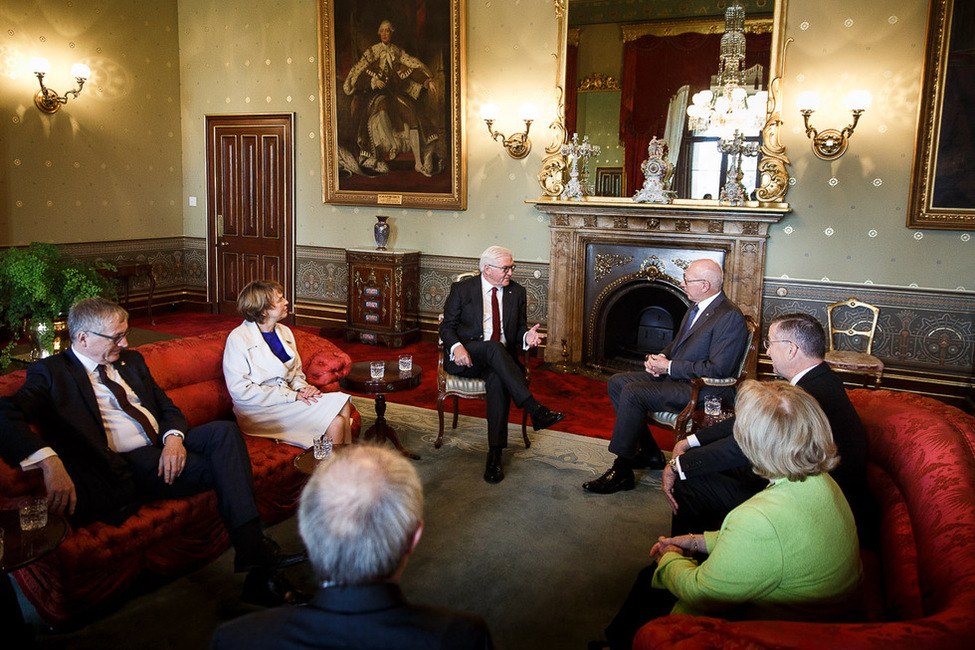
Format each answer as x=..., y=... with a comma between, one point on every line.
x=942, y=185
x=392, y=103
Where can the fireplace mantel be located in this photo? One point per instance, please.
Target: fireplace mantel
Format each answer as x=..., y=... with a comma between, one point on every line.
x=738, y=234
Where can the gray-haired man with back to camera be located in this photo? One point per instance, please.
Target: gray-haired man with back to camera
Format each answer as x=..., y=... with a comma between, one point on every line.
x=361, y=516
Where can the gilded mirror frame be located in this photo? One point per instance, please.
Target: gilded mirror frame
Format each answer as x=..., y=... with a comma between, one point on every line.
x=931, y=132
x=775, y=176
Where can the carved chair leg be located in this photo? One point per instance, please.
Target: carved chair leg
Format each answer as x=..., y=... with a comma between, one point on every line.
x=439, y=441
x=524, y=429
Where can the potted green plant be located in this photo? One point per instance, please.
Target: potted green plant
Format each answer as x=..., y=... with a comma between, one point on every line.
x=38, y=284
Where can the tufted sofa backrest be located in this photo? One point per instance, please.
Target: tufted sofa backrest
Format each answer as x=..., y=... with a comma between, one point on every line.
x=190, y=370
x=922, y=471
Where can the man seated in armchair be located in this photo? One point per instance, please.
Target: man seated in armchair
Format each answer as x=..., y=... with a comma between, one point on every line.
x=709, y=343
x=485, y=325
x=112, y=439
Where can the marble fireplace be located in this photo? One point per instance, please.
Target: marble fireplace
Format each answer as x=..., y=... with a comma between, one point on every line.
x=615, y=268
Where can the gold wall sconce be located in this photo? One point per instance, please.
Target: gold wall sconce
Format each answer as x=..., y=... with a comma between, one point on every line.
x=830, y=144
x=517, y=145
x=46, y=99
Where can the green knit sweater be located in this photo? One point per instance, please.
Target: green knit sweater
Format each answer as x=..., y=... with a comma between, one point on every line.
x=789, y=552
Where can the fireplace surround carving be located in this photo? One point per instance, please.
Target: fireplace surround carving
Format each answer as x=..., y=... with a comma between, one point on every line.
x=605, y=245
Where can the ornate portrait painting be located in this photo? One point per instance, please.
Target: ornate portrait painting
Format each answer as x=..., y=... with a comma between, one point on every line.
x=943, y=188
x=392, y=102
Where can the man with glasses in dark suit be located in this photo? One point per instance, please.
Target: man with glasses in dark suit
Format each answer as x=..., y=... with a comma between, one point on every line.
x=709, y=343
x=113, y=439
x=484, y=329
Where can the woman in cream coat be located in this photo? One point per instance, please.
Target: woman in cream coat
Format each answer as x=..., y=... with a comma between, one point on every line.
x=262, y=369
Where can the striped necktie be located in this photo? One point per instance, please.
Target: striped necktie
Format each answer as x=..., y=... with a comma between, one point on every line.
x=126, y=405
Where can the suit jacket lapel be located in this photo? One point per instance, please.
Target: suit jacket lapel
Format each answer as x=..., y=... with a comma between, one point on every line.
x=702, y=317
x=508, y=311
x=78, y=373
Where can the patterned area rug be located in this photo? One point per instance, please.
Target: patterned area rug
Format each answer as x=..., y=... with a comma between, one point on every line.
x=417, y=429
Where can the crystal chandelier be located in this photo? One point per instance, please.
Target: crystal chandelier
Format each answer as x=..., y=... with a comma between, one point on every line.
x=732, y=112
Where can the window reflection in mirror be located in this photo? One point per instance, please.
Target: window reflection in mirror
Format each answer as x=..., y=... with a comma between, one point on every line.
x=700, y=167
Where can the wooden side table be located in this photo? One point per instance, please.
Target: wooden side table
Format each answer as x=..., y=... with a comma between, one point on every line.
x=359, y=380
x=128, y=271
x=383, y=297
x=20, y=548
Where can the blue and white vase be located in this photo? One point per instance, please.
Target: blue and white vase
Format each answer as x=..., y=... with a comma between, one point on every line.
x=381, y=231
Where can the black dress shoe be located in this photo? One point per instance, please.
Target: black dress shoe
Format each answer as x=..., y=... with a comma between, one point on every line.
x=269, y=556
x=268, y=588
x=612, y=481
x=649, y=461
x=544, y=418
x=493, y=473
x=277, y=558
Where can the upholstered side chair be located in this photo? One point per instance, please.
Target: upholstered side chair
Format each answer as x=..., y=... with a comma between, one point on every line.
x=857, y=321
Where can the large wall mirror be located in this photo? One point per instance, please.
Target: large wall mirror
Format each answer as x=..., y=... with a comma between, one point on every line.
x=613, y=70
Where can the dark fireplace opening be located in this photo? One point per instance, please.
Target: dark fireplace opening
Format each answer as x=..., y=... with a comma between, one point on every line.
x=638, y=319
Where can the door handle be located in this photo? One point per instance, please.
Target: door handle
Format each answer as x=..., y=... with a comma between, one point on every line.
x=223, y=243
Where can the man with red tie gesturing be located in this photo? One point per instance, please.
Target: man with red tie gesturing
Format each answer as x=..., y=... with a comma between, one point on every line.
x=484, y=328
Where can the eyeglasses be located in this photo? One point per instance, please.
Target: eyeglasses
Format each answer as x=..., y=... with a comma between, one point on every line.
x=686, y=281
x=504, y=269
x=114, y=339
x=767, y=342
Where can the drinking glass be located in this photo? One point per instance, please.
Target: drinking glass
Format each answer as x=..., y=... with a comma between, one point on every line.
x=323, y=447
x=33, y=513
x=712, y=406
x=406, y=363
x=377, y=369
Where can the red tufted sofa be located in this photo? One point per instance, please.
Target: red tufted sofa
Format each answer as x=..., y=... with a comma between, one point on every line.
x=921, y=593
x=176, y=536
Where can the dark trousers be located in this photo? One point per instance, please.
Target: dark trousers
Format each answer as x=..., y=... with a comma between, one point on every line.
x=632, y=395
x=505, y=379
x=704, y=501
x=216, y=458
x=642, y=604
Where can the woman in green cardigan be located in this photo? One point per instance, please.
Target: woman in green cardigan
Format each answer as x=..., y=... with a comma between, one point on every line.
x=790, y=552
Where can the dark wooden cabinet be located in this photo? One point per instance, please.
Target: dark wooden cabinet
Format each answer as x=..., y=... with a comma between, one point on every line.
x=383, y=296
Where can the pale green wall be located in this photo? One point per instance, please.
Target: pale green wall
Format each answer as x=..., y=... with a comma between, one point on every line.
x=252, y=57
x=107, y=166
x=110, y=165
x=840, y=46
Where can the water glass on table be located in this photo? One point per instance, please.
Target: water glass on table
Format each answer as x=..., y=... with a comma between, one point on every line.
x=712, y=406
x=322, y=448
x=33, y=513
x=405, y=364
x=377, y=369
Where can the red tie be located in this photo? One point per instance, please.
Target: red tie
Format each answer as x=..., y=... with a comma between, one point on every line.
x=127, y=406
x=495, y=316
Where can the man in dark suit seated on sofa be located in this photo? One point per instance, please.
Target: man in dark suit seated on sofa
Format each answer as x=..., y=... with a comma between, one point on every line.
x=709, y=475
x=709, y=343
x=483, y=333
x=113, y=439
x=360, y=516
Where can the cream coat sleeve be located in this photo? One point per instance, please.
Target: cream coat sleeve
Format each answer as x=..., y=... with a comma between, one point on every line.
x=254, y=376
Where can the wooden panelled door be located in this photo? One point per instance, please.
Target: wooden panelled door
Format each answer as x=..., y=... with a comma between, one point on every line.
x=250, y=204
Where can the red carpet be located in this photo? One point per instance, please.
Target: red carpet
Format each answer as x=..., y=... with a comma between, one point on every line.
x=583, y=400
